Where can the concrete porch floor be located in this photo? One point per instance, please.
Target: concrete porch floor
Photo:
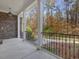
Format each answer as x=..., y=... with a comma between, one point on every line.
x=18, y=49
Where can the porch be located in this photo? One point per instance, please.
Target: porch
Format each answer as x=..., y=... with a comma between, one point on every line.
x=18, y=49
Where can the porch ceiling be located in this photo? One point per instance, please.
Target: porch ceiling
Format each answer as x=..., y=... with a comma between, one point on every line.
x=15, y=5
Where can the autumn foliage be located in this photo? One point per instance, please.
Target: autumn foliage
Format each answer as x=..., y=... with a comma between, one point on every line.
x=59, y=26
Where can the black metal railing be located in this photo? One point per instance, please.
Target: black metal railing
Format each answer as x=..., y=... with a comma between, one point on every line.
x=63, y=45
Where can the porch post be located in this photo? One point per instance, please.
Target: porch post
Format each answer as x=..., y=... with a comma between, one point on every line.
x=18, y=26
x=40, y=22
x=24, y=26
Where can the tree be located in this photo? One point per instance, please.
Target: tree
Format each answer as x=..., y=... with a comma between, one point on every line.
x=33, y=24
x=53, y=24
x=58, y=15
x=72, y=11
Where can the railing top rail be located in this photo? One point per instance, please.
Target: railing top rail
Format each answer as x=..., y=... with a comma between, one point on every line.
x=59, y=33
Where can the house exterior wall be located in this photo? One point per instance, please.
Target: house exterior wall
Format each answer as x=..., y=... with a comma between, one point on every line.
x=8, y=26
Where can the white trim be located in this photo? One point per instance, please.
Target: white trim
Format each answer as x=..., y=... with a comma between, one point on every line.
x=7, y=12
x=20, y=15
x=3, y=11
x=30, y=7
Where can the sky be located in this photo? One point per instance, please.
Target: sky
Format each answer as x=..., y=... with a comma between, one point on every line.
x=60, y=4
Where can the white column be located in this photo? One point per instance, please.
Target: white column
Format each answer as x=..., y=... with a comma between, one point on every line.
x=40, y=22
x=24, y=29
x=18, y=26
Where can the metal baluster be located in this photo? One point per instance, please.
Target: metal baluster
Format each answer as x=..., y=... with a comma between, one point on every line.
x=49, y=41
x=46, y=44
x=65, y=47
x=59, y=44
x=62, y=45
x=69, y=47
x=56, y=43
x=74, y=47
